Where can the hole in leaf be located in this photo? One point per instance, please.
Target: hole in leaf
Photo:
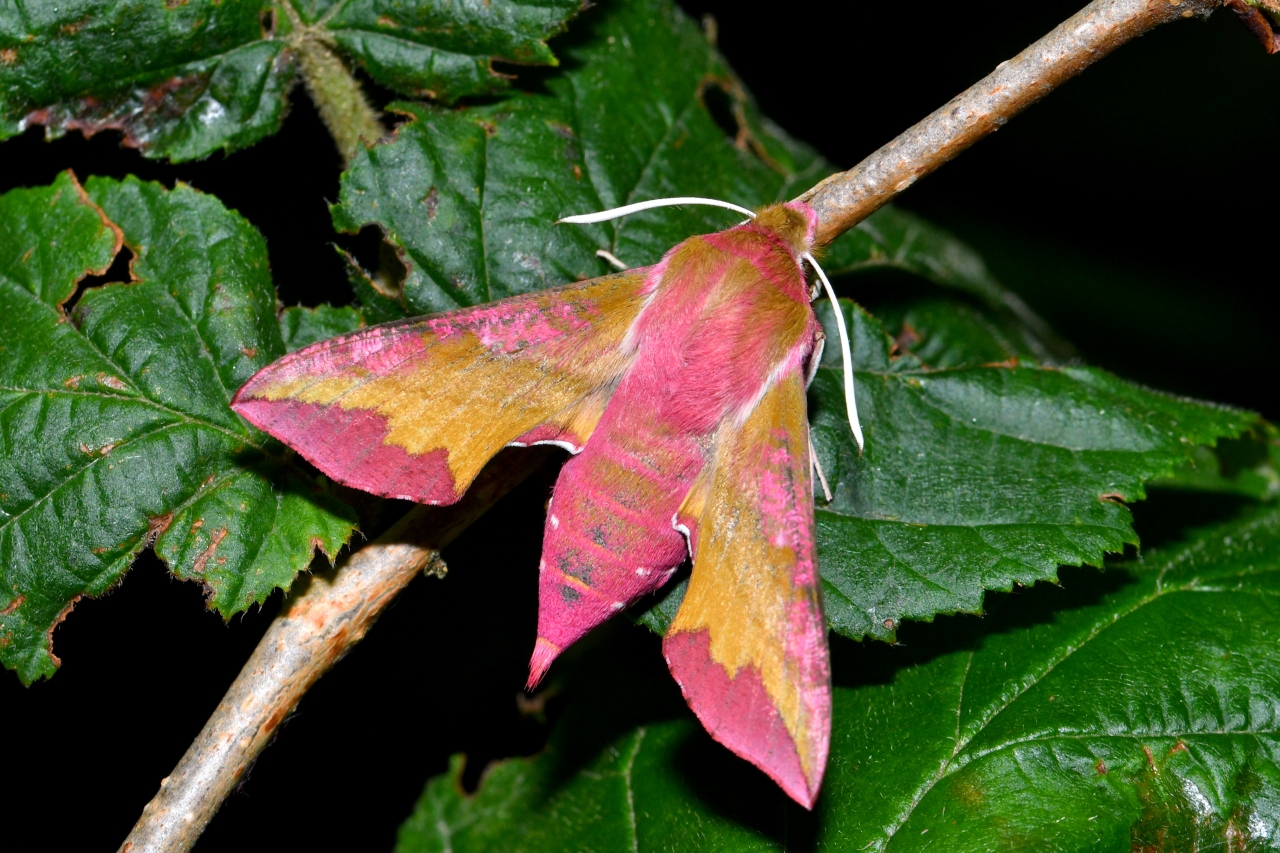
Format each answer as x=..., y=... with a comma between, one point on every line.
x=268, y=21
x=117, y=273
x=378, y=258
x=720, y=107
x=726, y=102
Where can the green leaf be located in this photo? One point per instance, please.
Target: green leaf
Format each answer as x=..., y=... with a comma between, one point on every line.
x=180, y=80
x=445, y=50
x=973, y=479
x=470, y=198
x=114, y=426
x=977, y=477
x=184, y=79
x=946, y=331
x=1137, y=709
x=1151, y=709
x=1247, y=466
x=302, y=327
x=982, y=476
x=895, y=239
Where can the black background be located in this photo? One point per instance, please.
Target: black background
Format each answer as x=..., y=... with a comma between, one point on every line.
x=1133, y=208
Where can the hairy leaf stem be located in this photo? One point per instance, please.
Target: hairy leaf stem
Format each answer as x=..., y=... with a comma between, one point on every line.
x=334, y=90
x=327, y=615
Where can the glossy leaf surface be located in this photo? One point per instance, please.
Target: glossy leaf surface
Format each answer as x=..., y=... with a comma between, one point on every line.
x=301, y=326
x=979, y=476
x=470, y=199
x=182, y=80
x=1134, y=709
x=440, y=49
x=114, y=422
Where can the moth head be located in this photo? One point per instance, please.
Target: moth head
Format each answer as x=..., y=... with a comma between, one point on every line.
x=795, y=222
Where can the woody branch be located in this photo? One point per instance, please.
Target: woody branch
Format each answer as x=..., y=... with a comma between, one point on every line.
x=321, y=619
x=845, y=199
x=320, y=623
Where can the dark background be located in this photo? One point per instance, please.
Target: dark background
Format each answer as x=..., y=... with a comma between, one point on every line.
x=1132, y=208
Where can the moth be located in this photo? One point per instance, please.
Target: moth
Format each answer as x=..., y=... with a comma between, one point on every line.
x=679, y=390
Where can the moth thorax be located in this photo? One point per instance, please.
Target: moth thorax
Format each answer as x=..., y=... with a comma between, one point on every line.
x=793, y=222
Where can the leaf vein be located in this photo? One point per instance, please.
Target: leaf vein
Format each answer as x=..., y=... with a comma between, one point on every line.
x=81, y=470
x=627, y=779
x=146, y=401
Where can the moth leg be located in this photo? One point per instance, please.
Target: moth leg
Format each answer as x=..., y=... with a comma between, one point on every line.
x=611, y=258
x=817, y=469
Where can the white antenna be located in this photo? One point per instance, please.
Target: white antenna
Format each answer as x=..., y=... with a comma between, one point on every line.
x=846, y=354
x=606, y=215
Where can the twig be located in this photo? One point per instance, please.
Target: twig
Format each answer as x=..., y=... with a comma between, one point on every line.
x=845, y=199
x=321, y=620
x=319, y=624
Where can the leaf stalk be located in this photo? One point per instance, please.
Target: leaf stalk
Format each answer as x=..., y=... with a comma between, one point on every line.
x=324, y=617
x=346, y=112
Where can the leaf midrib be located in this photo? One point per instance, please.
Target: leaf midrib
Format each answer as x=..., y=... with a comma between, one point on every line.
x=950, y=764
x=141, y=399
x=78, y=472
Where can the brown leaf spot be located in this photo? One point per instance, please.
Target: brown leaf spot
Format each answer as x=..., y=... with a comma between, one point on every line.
x=196, y=525
x=1007, y=364
x=1101, y=767
x=432, y=201
x=174, y=4
x=8, y=56
x=969, y=794
x=13, y=605
x=490, y=129
x=112, y=382
x=133, y=113
x=72, y=381
x=62, y=614
x=577, y=172
x=561, y=130
x=214, y=541
x=1112, y=498
x=158, y=525
x=888, y=624
x=249, y=352
x=1178, y=747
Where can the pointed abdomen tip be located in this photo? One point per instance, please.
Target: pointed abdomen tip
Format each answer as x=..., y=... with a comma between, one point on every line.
x=544, y=652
